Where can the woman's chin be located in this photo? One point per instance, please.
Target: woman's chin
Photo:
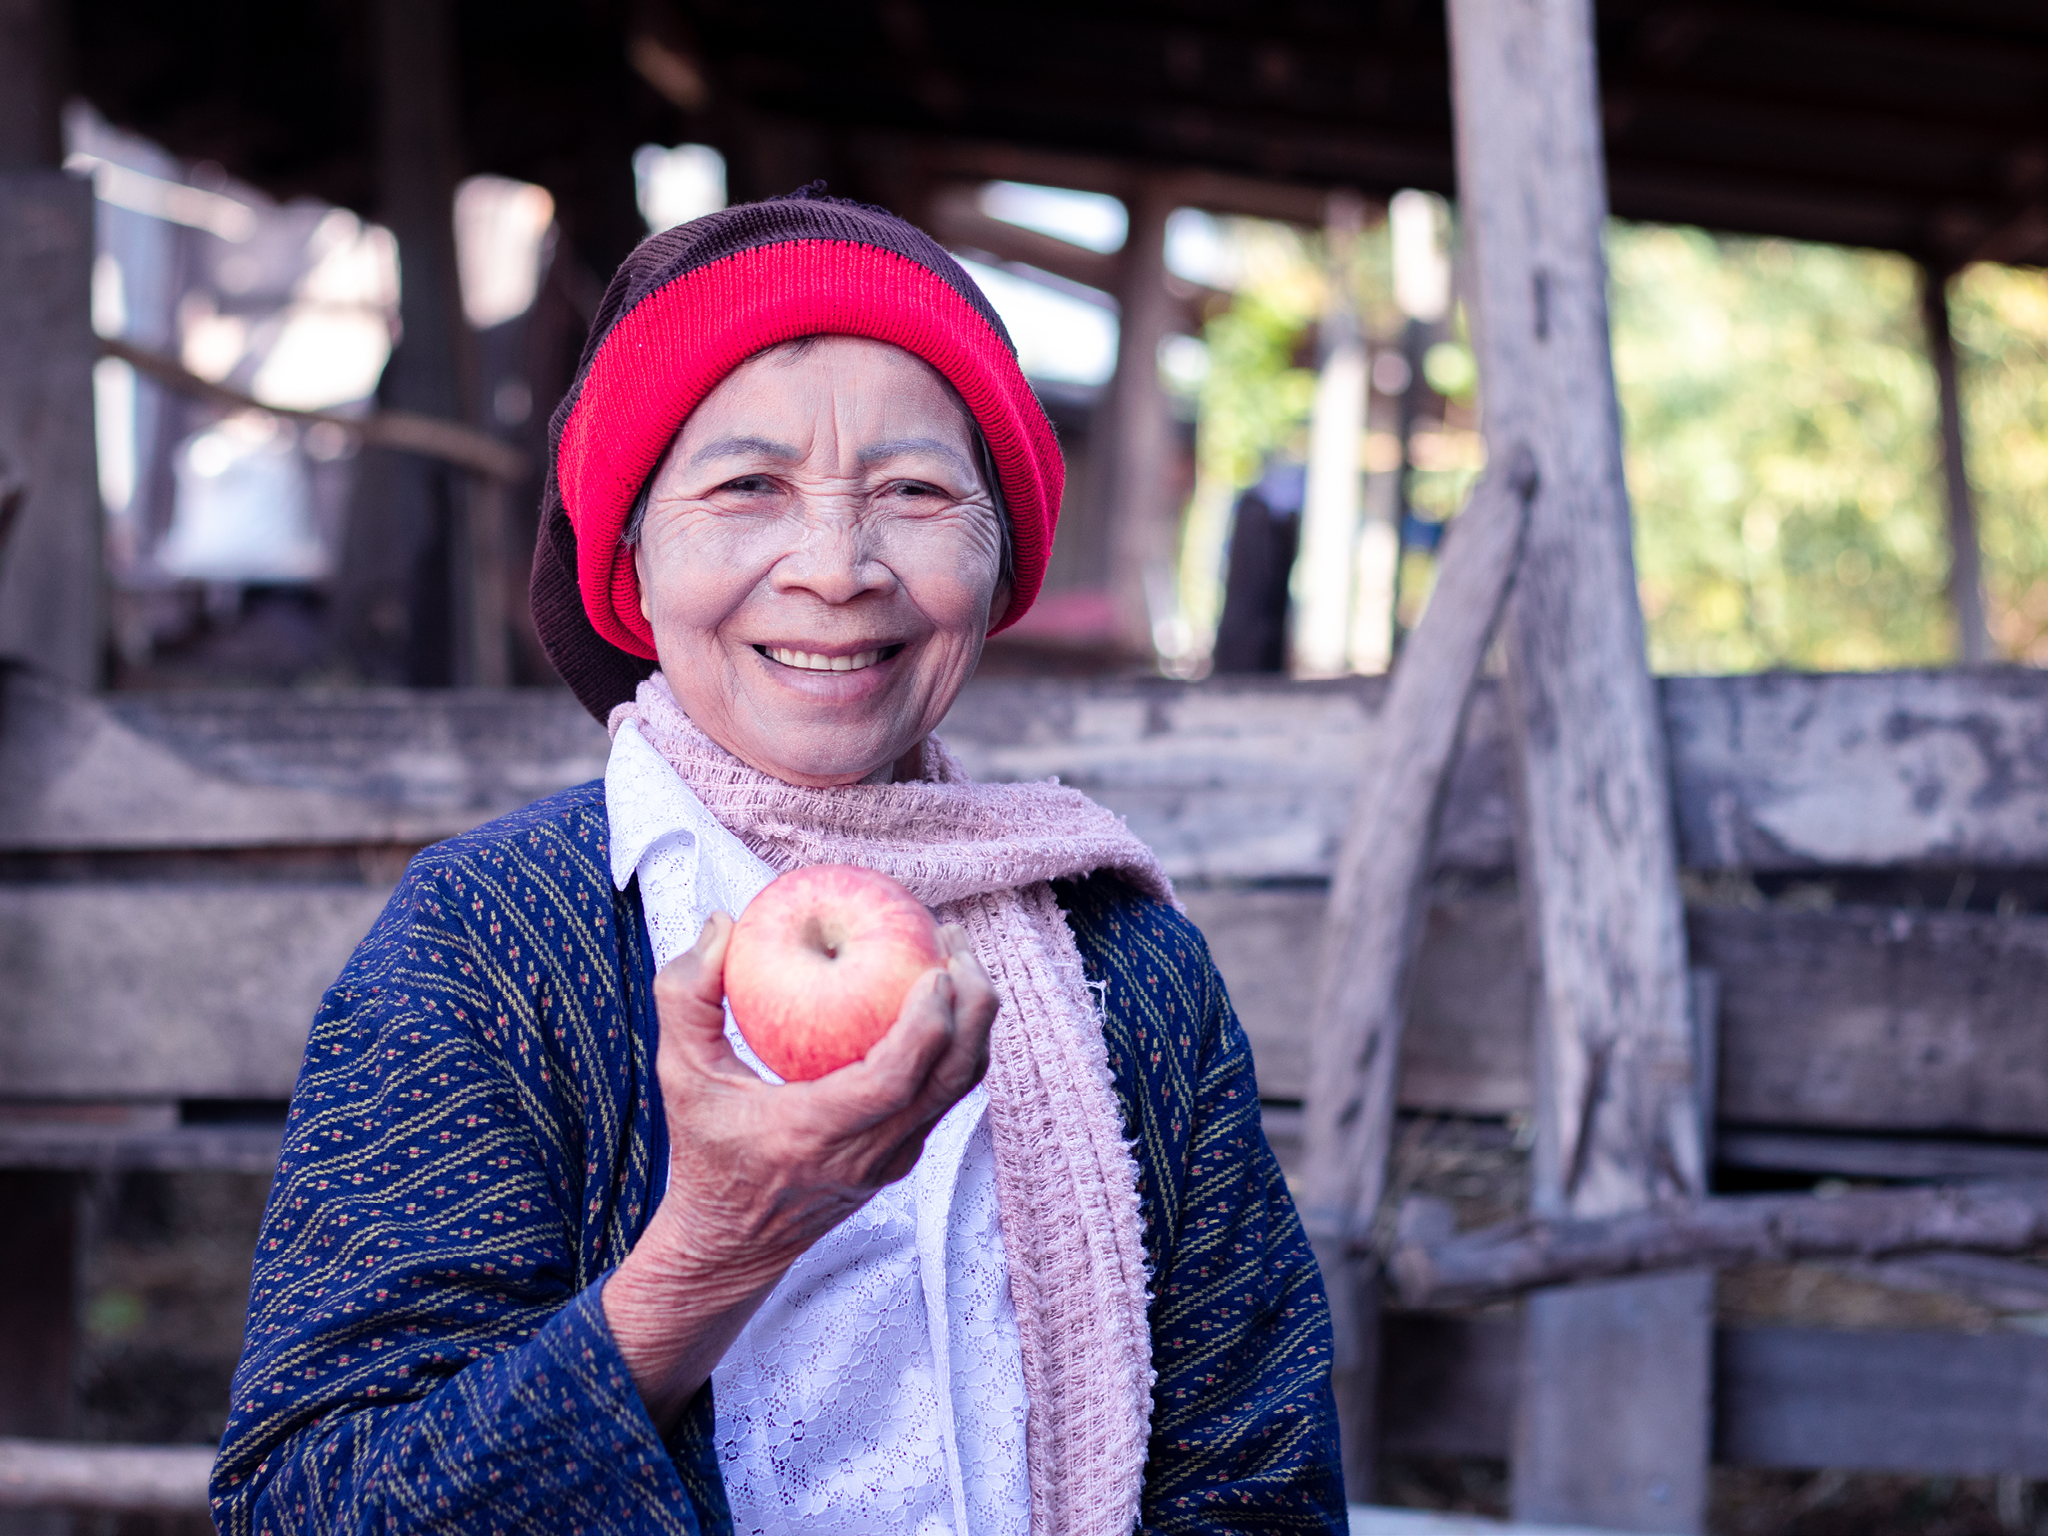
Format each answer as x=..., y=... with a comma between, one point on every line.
x=819, y=757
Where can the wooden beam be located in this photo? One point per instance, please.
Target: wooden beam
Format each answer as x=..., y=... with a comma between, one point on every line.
x=409, y=582
x=1598, y=856
x=1217, y=191
x=1230, y=780
x=1494, y=1263
x=1374, y=924
x=956, y=218
x=210, y=996
x=145, y=1479
x=51, y=577
x=1617, y=1127
x=1965, y=567
x=1137, y=451
x=1923, y=1022
x=257, y=769
x=449, y=441
x=56, y=1147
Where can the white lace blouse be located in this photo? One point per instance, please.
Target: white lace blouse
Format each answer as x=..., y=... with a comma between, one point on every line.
x=881, y=1385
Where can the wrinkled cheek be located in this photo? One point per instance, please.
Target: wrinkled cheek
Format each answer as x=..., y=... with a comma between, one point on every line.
x=956, y=596
x=695, y=594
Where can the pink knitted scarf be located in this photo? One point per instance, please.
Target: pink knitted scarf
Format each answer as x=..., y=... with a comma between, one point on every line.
x=981, y=855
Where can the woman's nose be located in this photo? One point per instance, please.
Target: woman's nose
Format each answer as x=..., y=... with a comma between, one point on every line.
x=832, y=558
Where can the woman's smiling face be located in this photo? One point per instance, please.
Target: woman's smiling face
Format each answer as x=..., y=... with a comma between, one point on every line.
x=820, y=559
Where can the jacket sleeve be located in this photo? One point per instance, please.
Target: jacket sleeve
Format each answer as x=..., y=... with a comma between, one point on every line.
x=1244, y=1423
x=424, y=1352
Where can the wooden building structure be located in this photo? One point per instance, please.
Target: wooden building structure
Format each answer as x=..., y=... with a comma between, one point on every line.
x=1644, y=1039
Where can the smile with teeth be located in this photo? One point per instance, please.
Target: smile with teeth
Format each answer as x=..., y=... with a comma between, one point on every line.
x=810, y=661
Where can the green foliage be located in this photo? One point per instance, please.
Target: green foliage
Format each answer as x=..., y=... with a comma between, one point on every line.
x=2000, y=319
x=1254, y=399
x=1779, y=418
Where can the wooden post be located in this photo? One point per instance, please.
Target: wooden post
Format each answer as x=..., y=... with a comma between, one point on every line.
x=1137, y=449
x=31, y=85
x=38, y=1283
x=51, y=583
x=51, y=601
x=1373, y=928
x=1614, y=1427
x=1329, y=518
x=406, y=589
x=1965, y=567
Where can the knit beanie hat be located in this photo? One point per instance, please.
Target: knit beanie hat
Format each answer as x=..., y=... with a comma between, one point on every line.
x=685, y=309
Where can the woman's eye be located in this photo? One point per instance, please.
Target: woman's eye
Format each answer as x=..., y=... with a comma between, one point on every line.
x=752, y=484
x=914, y=488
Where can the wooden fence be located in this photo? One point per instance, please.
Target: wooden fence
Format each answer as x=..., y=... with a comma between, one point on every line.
x=181, y=875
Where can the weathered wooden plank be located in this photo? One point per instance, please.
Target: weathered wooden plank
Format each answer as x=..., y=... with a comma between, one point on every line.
x=57, y=1474
x=1922, y=1402
x=1231, y=780
x=246, y=962
x=168, y=991
x=1636, y=1358
x=50, y=567
x=212, y=987
x=216, y=1148
x=1380, y=1520
x=1906, y=1022
x=1897, y=1021
x=1597, y=852
x=1466, y=1050
x=1376, y=916
x=257, y=768
x=1884, y=1402
x=1617, y=1123
x=1789, y=771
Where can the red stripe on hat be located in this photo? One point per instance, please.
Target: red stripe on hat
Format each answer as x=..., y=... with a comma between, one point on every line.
x=670, y=350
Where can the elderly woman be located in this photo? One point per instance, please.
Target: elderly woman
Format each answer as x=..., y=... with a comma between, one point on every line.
x=549, y=1249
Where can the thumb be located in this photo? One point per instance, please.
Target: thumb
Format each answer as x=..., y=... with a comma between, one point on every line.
x=689, y=993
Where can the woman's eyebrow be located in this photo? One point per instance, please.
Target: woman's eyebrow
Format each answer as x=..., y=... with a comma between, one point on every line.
x=731, y=447
x=890, y=450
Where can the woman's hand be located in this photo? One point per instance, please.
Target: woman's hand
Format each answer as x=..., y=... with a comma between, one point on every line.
x=759, y=1173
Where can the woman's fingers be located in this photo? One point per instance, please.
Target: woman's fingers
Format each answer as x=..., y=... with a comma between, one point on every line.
x=868, y=1120
x=955, y=1072
x=889, y=1079
x=927, y=1063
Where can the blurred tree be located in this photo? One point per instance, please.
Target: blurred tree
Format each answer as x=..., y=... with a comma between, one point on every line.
x=1779, y=426
x=2000, y=318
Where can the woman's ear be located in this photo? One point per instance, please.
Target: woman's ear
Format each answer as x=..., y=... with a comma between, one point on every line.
x=640, y=580
x=998, y=604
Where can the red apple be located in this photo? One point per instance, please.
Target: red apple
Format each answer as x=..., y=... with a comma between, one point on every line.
x=820, y=962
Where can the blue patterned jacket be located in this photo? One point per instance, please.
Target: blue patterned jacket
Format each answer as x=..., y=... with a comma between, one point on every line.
x=472, y=1147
